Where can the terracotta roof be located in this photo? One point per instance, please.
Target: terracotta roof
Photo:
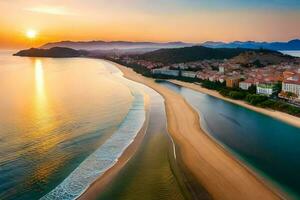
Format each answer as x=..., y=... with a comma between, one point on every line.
x=293, y=79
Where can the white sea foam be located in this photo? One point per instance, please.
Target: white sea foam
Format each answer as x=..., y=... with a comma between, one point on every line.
x=107, y=154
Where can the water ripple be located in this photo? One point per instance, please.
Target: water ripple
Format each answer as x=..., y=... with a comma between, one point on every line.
x=104, y=157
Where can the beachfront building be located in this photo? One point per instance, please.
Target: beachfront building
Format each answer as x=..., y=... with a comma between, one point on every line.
x=292, y=84
x=244, y=85
x=165, y=71
x=188, y=74
x=232, y=82
x=266, y=89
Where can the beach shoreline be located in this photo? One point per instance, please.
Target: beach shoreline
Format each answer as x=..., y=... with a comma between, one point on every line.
x=290, y=119
x=93, y=191
x=218, y=171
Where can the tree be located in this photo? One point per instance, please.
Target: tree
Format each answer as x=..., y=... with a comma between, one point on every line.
x=258, y=64
x=252, y=89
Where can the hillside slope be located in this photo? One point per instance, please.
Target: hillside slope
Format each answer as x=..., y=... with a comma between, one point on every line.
x=265, y=58
x=195, y=53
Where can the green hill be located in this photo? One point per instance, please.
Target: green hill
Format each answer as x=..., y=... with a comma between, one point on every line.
x=195, y=53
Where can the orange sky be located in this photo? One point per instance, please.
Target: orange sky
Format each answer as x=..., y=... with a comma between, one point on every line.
x=160, y=20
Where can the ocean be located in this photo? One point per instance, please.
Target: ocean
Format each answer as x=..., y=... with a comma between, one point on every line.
x=63, y=122
x=291, y=53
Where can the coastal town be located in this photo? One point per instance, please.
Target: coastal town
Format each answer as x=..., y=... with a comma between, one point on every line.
x=280, y=81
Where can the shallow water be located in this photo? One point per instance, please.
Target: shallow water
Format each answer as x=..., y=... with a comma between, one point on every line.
x=151, y=173
x=105, y=156
x=268, y=146
x=54, y=113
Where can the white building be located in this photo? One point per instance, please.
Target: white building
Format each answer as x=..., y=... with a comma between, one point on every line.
x=221, y=79
x=266, y=89
x=222, y=69
x=244, y=85
x=165, y=71
x=188, y=74
x=180, y=66
x=292, y=84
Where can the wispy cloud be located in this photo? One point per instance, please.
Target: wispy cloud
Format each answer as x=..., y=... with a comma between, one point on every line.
x=51, y=10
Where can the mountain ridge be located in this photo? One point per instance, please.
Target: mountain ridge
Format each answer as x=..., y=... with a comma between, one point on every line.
x=109, y=45
x=277, y=46
x=127, y=45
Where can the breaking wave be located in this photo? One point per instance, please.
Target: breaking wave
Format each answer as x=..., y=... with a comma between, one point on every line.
x=105, y=156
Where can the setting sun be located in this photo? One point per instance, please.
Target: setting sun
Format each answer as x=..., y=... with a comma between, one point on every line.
x=31, y=34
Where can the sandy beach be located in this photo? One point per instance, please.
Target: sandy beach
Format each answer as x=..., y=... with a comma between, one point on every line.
x=97, y=187
x=221, y=174
x=290, y=119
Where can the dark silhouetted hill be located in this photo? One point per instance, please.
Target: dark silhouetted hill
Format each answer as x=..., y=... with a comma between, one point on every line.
x=55, y=52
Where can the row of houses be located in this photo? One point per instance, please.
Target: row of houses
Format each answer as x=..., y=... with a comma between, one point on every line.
x=265, y=85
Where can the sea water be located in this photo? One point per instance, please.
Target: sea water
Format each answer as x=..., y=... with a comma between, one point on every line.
x=291, y=53
x=105, y=156
x=56, y=117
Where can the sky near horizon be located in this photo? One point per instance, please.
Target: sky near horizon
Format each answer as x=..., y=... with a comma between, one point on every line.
x=145, y=20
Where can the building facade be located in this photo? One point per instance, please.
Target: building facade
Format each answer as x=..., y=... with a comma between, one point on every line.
x=244, y=85
x=266, y=89
x=292, y=84
x=232, y=82
x=188, y=74
x=167, y=72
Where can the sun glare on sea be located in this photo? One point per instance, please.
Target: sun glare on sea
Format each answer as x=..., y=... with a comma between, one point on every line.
x=31, y=34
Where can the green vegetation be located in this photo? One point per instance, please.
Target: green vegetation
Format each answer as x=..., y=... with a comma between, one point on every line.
x=258, y=64
x=237, y=95
x=290, y=94
x=213, y=85
x=281, y=106
x=256, y=99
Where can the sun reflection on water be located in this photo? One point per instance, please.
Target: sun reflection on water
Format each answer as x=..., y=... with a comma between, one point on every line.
x=54, y=113
x=45, y=127
x=40, y=86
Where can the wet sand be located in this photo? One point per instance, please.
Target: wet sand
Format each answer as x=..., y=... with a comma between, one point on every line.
x=219, y=172
x=290, y=119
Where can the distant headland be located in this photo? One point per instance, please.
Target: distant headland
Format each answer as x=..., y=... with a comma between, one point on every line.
x=55, y=52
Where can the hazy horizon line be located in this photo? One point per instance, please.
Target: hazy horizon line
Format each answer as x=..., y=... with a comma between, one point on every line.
x=174, y=41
